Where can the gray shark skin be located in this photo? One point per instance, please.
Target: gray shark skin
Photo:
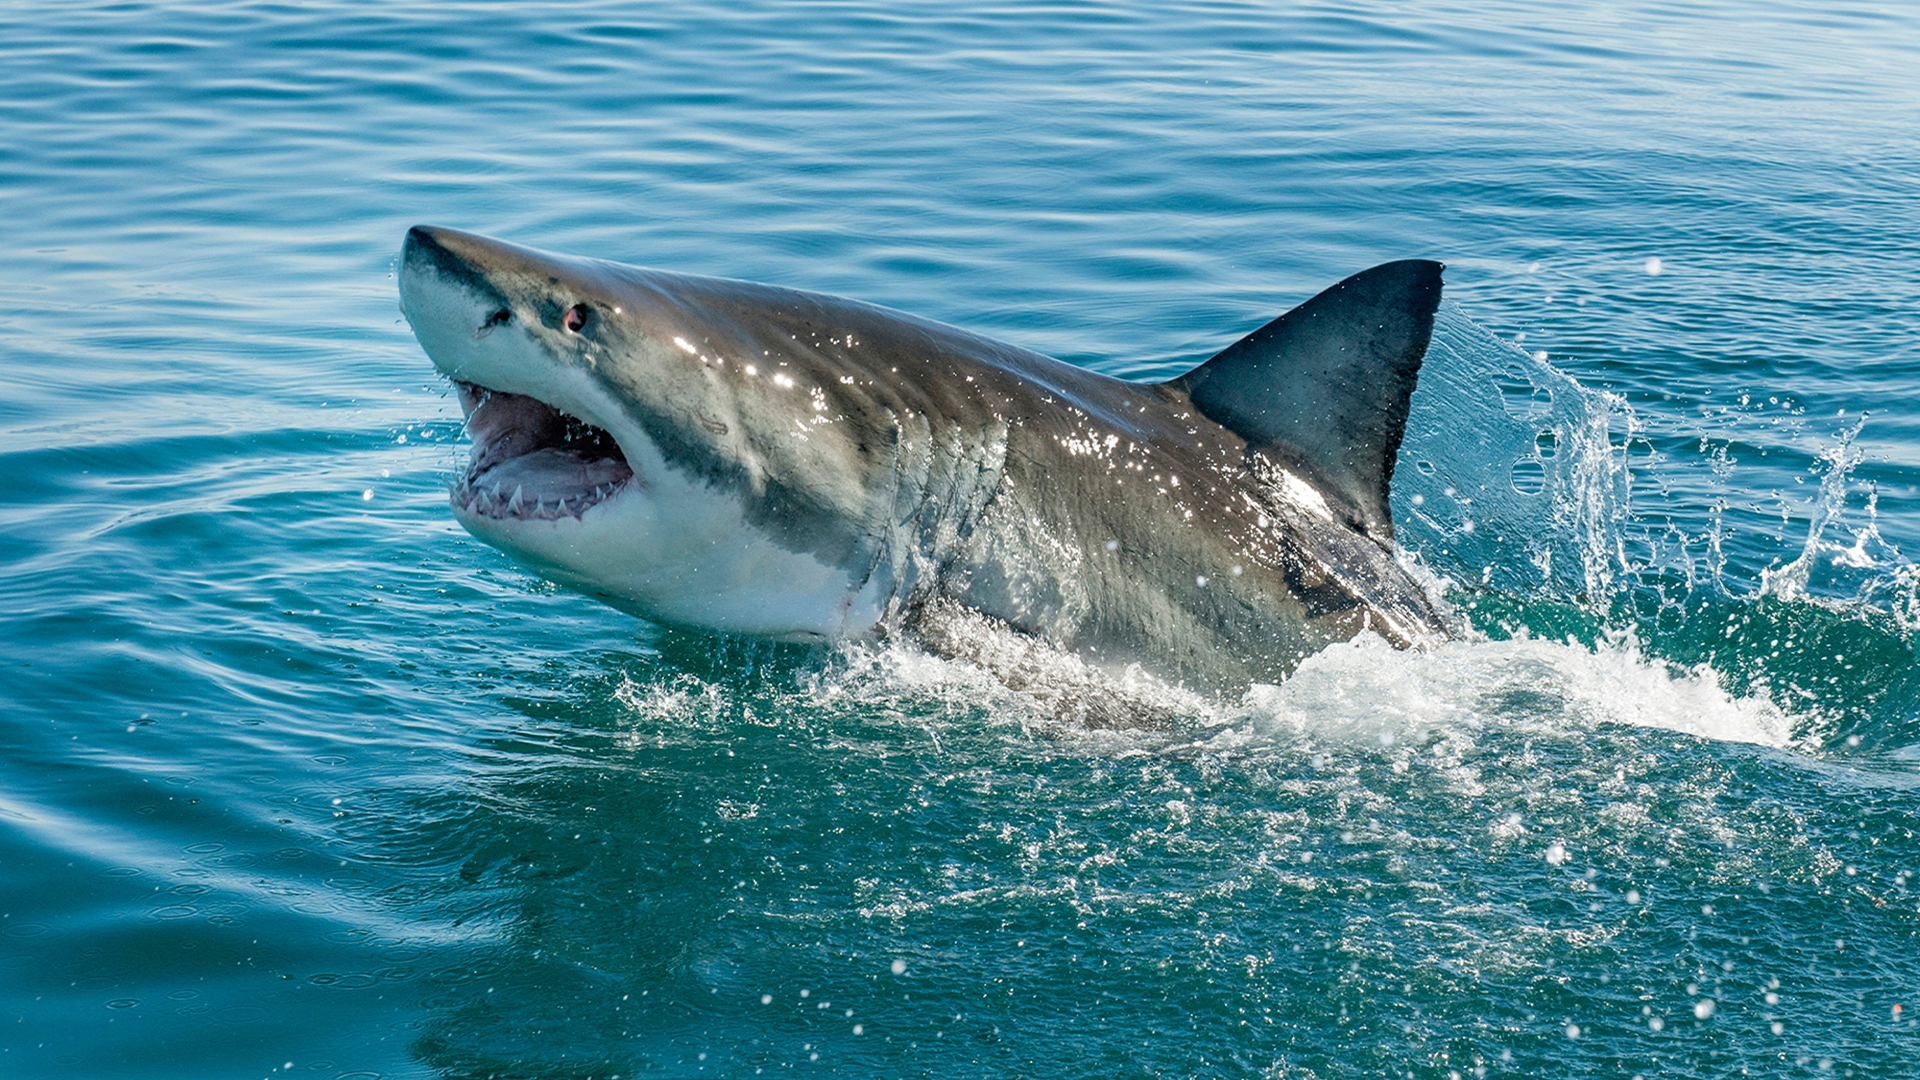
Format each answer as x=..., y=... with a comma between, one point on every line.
x=749, y=459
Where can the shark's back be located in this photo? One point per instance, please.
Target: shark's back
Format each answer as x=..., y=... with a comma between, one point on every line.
x=1224, y=525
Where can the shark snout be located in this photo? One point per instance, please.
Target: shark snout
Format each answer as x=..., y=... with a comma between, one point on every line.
x=426, y=252
x=465, y=255
x=448, y=250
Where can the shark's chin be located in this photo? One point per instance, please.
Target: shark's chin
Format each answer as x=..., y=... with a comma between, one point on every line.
x=532, y=462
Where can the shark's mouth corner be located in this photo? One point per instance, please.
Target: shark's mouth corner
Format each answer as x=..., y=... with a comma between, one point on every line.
x=532, y=462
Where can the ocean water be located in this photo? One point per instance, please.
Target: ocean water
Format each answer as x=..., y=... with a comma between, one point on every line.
x=298, y=780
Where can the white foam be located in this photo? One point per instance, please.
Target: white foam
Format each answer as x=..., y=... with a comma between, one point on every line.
x=1060, y=681
x=1363, y=691
x=1367, y=690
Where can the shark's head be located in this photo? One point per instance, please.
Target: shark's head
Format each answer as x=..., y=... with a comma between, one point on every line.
x=658, y=440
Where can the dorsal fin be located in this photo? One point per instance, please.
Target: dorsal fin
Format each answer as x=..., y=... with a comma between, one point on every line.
x=1325, y=387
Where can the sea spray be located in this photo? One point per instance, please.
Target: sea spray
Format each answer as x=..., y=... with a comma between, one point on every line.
x=1556, y=518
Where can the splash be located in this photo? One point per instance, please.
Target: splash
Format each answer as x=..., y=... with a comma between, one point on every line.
x=1549, y=510
x=1540, y=486
x=1520, y=475
x=1859, y=564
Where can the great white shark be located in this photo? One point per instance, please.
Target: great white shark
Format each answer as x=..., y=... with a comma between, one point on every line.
x=749, y=459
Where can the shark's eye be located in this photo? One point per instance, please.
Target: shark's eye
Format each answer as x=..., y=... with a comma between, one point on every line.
x=575, y=318
x=499, y=318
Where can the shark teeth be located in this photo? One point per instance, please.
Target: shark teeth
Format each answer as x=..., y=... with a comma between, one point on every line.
x=477, y=498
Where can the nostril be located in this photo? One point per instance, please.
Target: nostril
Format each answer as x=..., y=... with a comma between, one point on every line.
x=575, y=318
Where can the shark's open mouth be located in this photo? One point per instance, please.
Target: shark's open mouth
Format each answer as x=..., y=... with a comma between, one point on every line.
x=532, y=462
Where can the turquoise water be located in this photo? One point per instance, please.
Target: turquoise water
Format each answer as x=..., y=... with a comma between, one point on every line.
x=296, y=779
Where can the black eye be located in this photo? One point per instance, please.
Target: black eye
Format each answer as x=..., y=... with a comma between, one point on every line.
x=499, y=318
x=576, y=317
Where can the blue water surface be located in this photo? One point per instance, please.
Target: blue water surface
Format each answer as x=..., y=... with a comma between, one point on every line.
x=297, y=779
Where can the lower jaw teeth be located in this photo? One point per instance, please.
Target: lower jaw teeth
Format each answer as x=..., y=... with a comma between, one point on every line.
x=493, y=502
